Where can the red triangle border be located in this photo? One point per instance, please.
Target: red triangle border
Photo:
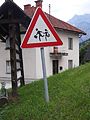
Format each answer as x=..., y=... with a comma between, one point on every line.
x=31, y=27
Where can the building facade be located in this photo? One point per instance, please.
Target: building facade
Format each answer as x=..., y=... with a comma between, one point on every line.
x=57, y=59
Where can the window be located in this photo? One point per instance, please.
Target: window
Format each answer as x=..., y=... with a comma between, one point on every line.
x=70, y=64
x=7, y=43
x=17, y=56
x=55, y=49
x=8, y=67
x=18, y=65
x=70, y=43
x=55, y=66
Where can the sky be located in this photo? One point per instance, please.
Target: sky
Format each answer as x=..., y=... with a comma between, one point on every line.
x=62, y=9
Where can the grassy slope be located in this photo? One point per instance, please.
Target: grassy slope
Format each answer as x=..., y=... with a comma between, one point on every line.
x=69, y=98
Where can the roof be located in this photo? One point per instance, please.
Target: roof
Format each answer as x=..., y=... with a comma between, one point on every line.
x=63, y=25
x=19, y=15
x=59, y=24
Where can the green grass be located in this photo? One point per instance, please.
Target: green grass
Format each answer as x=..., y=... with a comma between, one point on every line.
x=69, y=98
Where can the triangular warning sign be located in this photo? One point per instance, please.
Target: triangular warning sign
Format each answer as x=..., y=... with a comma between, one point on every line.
x=40, y=32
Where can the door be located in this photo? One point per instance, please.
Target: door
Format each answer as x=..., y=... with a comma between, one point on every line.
x=55, y=66
x=70, y=64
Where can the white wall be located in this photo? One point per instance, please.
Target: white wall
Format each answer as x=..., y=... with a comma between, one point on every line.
x=4, y=55
x=72, y=54
x=48, y=62
x=32, y=57
x=29, y=62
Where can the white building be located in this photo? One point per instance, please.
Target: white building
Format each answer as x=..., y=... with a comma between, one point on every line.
x=57, y=59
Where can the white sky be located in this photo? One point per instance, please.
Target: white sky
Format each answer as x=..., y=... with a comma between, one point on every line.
x=62, y=9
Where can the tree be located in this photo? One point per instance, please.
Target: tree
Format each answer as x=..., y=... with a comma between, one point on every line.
x=83, y=50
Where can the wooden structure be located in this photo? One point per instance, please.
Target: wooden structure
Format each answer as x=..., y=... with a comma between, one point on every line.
x=3, y=95
x=11, y=19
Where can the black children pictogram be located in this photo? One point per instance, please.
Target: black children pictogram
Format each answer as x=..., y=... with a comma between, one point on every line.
x=41, y=34
x=46, y=34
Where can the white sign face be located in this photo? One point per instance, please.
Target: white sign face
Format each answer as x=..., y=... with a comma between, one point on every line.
x=41, y=33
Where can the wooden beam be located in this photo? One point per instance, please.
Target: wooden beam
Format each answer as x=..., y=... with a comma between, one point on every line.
x=22, y=82
x=22, y=32
x=12, y=33
x=2, y=38
x=4, y=29
x=11, y=21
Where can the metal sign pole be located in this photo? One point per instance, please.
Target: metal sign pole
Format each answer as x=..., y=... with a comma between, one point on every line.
x=44, y=75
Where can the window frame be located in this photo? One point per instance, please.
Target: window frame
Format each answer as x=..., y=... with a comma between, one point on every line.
x=8, y=64
x=70, y=64
x=70, y=43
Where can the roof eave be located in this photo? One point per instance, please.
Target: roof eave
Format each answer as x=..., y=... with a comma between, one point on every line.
x=81, y=32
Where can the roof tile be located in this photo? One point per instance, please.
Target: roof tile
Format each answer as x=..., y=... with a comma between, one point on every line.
x=55, y=22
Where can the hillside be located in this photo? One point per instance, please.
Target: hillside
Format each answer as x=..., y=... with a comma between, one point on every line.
x=84, y=43
x=84, y=52
x=69, y=98
x=83, y=23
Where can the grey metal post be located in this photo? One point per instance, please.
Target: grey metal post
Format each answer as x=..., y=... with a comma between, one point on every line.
x=44, y=75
